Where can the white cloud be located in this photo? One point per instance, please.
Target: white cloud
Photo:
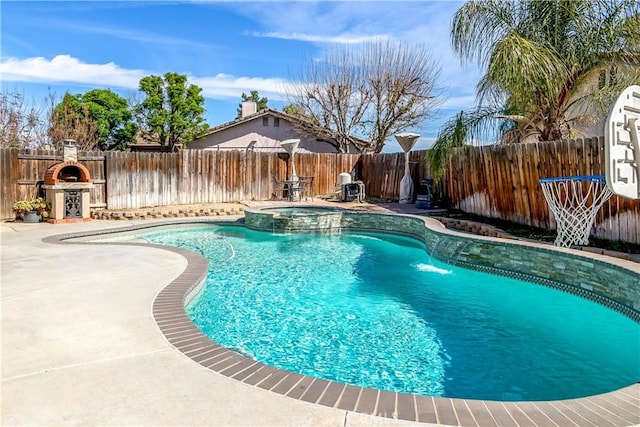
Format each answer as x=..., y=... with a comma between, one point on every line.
x=66, y=69
x=425, y=23
x=228, y=86
x=69, y=70
x=93, y=25
x=339, y=39
x=142, y=37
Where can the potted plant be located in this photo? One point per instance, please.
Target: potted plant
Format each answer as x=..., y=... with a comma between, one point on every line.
x=31, y=211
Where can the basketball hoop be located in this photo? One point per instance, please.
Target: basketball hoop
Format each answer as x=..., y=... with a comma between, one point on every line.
x=574, y=201
x=622, y=144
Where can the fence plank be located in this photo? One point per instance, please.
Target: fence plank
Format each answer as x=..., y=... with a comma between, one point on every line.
x=493, y=181
x=516, y=194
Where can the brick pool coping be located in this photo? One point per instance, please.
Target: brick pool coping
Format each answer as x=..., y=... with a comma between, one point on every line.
x=617, y=408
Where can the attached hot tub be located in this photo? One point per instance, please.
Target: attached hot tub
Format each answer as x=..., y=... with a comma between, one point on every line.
x=295, y=219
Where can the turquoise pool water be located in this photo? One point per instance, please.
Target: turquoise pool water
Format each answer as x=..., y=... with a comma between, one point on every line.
x=373, y=310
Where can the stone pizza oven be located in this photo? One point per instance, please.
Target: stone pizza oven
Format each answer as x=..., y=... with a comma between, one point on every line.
x=67, y=186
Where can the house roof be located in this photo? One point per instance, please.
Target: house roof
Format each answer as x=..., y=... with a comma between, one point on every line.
x=144, y=144
x=322, y=134
x=248, y=118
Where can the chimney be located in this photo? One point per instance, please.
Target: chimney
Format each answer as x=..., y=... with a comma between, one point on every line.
x=69, y=151
x=248, y=108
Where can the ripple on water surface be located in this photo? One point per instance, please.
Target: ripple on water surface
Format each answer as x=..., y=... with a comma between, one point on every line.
x=373, y=310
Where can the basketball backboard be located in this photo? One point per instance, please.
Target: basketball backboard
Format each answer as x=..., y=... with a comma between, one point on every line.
x=622, y=147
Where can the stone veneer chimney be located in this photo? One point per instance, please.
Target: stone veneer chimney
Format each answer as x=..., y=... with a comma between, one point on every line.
x=69, y=151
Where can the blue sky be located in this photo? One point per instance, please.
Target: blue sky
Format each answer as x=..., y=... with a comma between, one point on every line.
x=225, y=47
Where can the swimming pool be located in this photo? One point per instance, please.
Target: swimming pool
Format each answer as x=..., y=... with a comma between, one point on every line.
x=445, y=316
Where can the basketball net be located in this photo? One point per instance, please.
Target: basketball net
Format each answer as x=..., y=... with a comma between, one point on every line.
x=574, y=201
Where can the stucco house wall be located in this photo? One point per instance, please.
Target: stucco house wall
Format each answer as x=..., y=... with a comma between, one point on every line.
x=262, y=130
x=589, y=118
x=258, y=133
x=594, y=117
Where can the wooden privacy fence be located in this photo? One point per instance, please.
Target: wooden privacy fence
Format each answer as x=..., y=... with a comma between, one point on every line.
x=22, y=173
x=125, y=180
x=503, y=182
x=491, y=181
x=382, y=173
x=138, y=180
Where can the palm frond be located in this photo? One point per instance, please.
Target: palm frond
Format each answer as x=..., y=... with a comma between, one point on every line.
x=520, y=67
x=477, y=25
x=539, y=54
x=466, y=128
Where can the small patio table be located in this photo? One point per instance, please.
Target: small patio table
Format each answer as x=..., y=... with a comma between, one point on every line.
x=296, y=189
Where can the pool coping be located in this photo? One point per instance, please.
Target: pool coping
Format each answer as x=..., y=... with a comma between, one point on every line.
x=620, y=407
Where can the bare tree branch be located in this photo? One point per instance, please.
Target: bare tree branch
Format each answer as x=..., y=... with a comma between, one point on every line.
x=22, y=124
x=371, y=91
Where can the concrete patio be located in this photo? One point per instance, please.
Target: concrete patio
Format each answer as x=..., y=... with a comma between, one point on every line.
x=80, y=345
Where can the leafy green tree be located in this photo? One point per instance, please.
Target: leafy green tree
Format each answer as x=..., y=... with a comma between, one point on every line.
x=115, y=122
x=98, y=118
x=294, y=110
x=69, y=119
x=171, y=113
x=261, y=103
x=541, y=58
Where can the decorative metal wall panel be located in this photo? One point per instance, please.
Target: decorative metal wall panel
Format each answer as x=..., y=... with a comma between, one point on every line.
x=72, y=204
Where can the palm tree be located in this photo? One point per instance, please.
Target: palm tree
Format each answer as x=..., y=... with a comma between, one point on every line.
x=539, y=56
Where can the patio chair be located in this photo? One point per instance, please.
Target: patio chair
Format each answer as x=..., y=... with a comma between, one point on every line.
x=280, y=189
x=305, y=183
